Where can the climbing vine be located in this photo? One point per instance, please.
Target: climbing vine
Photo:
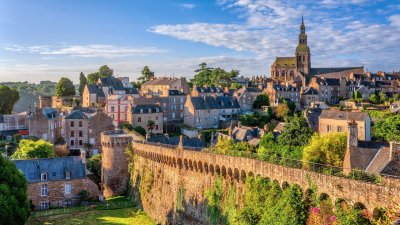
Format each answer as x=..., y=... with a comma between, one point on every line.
x=180, y=199
x=214, y=200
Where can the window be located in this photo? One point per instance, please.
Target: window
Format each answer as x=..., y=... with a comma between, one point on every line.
x=80, y=133
x=72, y=123
x=72, y=142
x=112, y=109
x=68, y=189
x=43, y=190
x=72, y=134
x=80, y=123
x=339, y=129
x=173, y=115
x=181, y=107
x=174, y=100
x=156, y=127
x=156, y=118
x=329, y=128
x=43, y=176
x=139, y=119
x=112, y=116
x=44, y=205
x=67, y=175
x=80, y=142
x=181, y=99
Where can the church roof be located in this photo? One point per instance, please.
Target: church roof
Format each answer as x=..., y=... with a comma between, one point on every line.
x=281, y=61
x=302, y=48
x=318, y=71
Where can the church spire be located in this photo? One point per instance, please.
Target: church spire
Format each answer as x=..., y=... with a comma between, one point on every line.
x=302, y=27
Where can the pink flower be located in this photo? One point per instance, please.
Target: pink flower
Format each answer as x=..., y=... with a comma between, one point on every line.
x=332, y=218
x=315, y=210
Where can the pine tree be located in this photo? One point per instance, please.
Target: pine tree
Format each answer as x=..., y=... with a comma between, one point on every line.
x=82, y=83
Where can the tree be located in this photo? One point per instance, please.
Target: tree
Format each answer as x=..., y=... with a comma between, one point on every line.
x=261, y=100
x=203, y=75
x=282, y=111
x=7, y=100
x=30, y=149
x=150, y=125
x=357, y=96
x=235, y=86
x=65, y=87
x=296, y=132
x=213, y=76
x=328, y=149
x=94, y=166
x=382, y=97
x=140, y=130
x=14, y=204
x=387, y=129
x=93, y=77
x=374, y=98
x=147, y=75
x=82, y=83
x=61, y=150
x=105, y=71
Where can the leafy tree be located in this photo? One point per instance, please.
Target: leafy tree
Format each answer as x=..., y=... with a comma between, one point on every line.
x=30, y=149
x=357, y=96
x=290, y=208
x=147, y=75
x=374, y=98
x=127, y=126
x=236, y=86
x=261, y=100
x=94, y=166
x=105, y=71
x=140, y=130
x=213, y=76
x=203, y=75
x=82, y=83
x=296, y=132
x=328, y=149
x=255, y=119
x=7, y=100
x=65, y=87
x=387, y=129
x=282, y=111
x=214, y=200
x=93, y=77
x=14, y=204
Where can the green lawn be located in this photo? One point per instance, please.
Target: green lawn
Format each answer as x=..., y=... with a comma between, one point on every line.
x=119, y=213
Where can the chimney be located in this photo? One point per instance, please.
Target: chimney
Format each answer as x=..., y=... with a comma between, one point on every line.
x=352, y=143
x=180, y=145
x=83, y=156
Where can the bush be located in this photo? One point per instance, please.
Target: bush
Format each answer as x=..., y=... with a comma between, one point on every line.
x=94, y=166
x=140, y=130
x=61, y=150
x=29, y=149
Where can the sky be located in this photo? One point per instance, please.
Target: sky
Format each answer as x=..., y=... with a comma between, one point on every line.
x=50, y=39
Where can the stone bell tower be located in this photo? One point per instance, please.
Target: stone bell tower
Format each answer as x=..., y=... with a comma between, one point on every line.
x=303, y=55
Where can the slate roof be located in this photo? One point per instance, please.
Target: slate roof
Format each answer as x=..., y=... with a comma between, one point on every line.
x=220, y=102
x=175, y=93
x=241, y=133
x=329, y=82
x=145, y=109
x=50, y=113
x=76, y=115
x=1, y=118
x=280, y=87
x=187, y=142
x=112, y=82
x=281, y=61
x=310, y=91
x=131, y=91
x=93, y=89
x=343, y=115
x=55, y=168
x=208, y=89
x=161, y=81
x=317, y=71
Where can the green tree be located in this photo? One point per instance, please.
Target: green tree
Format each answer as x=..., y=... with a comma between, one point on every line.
x=14, y=204
x=290, y=208
x=374, y=99
x=296, y=132
x=30, y=149
x=203, y=75
x=140, y=130
x=65, y=87
x=94, y=166
x=387, y=129
x=235, y=86
x=282, y=111
x=105, y=71
x=382, y=97
x=7, y=100
x=357, y=96
x=147, y=75
x=328, y=149
x=214, y=201
x=93, y=77
x=82, y=83
x=261, y=100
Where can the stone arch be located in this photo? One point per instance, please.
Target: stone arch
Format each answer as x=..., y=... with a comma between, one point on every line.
x=185, y=162
x=242, y=175
x=195, y=165
x=200, y=166
x=236, y=174
x=180, y=163
x=340, y=202
x=251, y=174
x=217, y=169
x=324, y=196
x=174, y=161
x=206, y=167
x=190, y=165
x=285, y=185
x=230, y=173
x=223, y=171
x=211, y=169
x=359, y=206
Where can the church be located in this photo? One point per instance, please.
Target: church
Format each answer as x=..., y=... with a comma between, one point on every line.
x=297, y=69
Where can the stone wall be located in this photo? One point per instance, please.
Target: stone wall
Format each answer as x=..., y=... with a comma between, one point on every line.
x=160, y=172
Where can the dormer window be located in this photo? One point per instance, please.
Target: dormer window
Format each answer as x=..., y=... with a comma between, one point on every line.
x=67, y=175
x=141, y=110
x=149, y=110
x=157, y=110
x=43, y=176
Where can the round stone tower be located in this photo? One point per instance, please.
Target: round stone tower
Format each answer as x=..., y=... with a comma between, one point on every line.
x=114, y=166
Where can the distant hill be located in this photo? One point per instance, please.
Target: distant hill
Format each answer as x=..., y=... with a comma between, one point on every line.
x=29, y=93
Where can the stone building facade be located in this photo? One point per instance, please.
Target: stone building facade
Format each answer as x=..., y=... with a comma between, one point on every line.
x=76, y=130
x=161, y=86
x=57, y=182
x=45, y=123
x=140, y=115
x=330, y=90
x=246, y=97
x=277, y=91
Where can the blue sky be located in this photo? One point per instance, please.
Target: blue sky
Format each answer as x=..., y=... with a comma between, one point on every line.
x=45, y=40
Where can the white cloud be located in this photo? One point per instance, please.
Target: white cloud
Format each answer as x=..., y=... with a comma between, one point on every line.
x=187, y=6
x=104, y=51
x=271, y=29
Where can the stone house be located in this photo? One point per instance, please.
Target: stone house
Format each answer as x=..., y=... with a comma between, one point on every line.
x=277, y=91
x=56, y=182
x=331, y=121
x=45, y=123
x=330, y=90
x=92, y=95
x=246, y=97
x=82, y=128
x=117, y=108
x=199, y=91
x=209, y=112
x=140, y=115
x=368, y=156
x=308, y=96
x=161, y=86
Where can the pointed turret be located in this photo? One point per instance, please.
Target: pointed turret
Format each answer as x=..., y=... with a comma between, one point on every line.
x=303, y=56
